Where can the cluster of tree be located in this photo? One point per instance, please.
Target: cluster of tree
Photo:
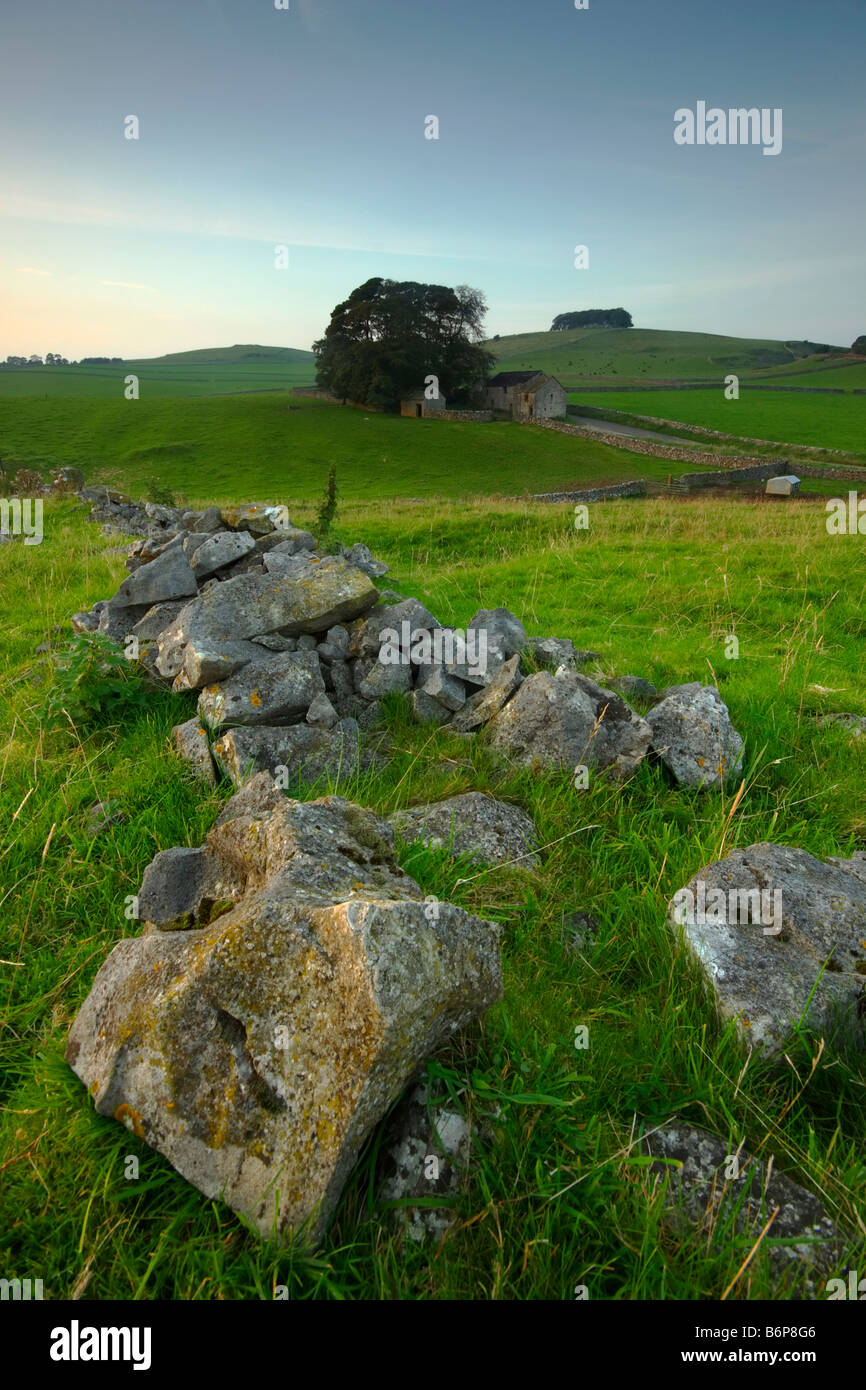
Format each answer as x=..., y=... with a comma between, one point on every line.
x=388, y=336
x=98, y=361
x=52, y=359
x=859, y=345
x=592, y=318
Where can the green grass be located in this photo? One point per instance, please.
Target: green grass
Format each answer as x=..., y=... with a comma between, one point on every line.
x=829, y=422
x=556, y=1197
x=252, y=446
x=156, y=377
x=645, y=353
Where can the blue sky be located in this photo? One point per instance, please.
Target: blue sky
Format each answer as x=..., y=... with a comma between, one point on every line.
x=305, y=127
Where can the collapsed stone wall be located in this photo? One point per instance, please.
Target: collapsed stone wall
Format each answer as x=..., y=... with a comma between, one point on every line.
x=291, y=976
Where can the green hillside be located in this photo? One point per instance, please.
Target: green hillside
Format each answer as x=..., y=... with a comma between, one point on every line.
x=178, y=374
x=612, y=355
x=238, y=355
x=240, y=447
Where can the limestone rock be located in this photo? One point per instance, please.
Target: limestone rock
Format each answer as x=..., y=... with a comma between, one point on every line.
x=427, y=710
x=425, y=1154
x=763, y=954
x=220, y=549
x=258, y=1050
x=553, y=652
x=361, y=556
x=321, y=713
x=634, y=687
x=444, y=687
x=481, y=707
x=368, y=640
x=155, y=621
x=203, y=663
x=292, y=541
x=253, y=605
x=373, y=679
x=472, y=823
x=567, y=720
x=306, y=754
x=254, y=517
x=169, y=576
x=506, y=634
x=699, y=1193
x=693, y=735
x=276, y=689
x=190, y=743
x=208, y=520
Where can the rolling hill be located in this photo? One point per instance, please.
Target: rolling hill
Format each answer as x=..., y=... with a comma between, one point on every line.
x=619, y=356
x=240, y=354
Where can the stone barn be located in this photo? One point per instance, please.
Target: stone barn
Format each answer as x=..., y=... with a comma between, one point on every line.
x=419, y=407
x=527, y=395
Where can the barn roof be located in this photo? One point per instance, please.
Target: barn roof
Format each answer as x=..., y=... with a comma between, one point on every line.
x=512, y=378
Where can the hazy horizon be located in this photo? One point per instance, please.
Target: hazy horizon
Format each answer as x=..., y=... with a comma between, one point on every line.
x=305, y=128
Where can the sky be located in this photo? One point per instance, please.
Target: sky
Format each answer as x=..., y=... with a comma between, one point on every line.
x=304, y=127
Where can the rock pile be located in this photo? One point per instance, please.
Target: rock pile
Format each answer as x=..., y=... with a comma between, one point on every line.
x=289, y=981
x=292, y=652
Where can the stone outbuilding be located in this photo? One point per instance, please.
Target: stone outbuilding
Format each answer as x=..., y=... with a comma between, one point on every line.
x=786, y=485
x=529, y=395
x=420, y=407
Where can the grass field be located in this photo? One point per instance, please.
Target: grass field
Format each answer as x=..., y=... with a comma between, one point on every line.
x=203, y=372
x=556, y=1195
x=244, y=446
x=829, y=422
x=647, y=353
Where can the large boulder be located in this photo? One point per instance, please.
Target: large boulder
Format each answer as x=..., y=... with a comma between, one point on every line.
x=311, y=600
x=472, y=823
x=693, y=736
x=780, y=937
x=566, y=720
x=256, y=1050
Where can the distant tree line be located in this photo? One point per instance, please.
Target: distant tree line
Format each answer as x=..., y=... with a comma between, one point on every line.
x=592, y=318
x=55, y=359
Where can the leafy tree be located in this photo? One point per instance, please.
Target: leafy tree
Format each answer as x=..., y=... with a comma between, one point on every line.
x=859, y=345
x=389, y=335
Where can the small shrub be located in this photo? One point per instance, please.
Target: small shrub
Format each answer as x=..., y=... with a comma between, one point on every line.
x=94, y=684
x=27, y=483
x=159, y=494
x=328, y=509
